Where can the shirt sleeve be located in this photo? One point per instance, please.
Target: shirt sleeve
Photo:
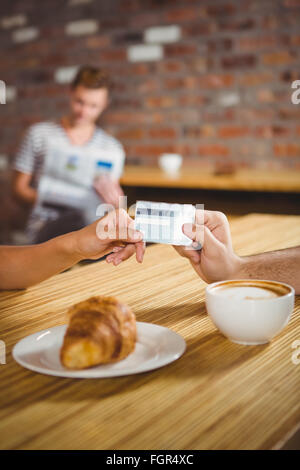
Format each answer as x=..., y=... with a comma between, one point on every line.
x=25, y=156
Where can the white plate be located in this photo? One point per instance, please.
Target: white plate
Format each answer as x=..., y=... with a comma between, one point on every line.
x=156, y=346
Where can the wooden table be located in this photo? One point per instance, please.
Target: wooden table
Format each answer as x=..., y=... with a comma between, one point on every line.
x=218, y=395
x=198, y=178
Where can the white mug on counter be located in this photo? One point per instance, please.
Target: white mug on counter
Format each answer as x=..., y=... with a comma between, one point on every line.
x=170, y=162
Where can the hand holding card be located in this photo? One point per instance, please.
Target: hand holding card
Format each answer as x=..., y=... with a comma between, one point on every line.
x=161, y=222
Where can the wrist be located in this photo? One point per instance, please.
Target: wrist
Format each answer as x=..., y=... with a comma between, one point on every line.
x=238, y=267
x=69, y=247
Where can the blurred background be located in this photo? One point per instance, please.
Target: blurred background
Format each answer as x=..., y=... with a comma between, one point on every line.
x=208, y=79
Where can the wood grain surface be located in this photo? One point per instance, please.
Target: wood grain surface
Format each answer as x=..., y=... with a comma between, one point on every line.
x=198, y=178
x=218, y=395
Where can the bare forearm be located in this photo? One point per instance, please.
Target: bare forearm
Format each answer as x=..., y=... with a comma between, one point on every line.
x=26, y=195
x=21, y=267
x=280, y=265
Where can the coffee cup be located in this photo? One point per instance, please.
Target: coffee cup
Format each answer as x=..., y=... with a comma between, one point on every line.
x=170, y=162
x=252, y=311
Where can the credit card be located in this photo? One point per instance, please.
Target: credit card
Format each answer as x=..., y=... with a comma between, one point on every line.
x=161, y=222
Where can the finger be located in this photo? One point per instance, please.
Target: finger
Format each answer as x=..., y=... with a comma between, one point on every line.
x=213, y=219
x=211, y=244
x=140, y=251
x=124, y=254
x=111, y=195
x=129, y=233
x=117, y=248
x=195, y=232
x=118, y=227
x=112, y=257
x=191, y=255
x=109, y=258
x=201, y=235
x=217, y=223
x=120, y=190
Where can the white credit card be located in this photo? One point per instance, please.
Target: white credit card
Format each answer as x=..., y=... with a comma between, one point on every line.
x=161, y=222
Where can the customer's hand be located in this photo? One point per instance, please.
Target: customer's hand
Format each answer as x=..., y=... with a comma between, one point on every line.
x=216, y=259
x=114, y=234
x=108, y=189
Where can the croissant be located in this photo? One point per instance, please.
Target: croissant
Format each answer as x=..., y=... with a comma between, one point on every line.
x=101, y=330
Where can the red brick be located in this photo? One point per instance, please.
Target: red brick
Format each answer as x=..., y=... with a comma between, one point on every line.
x=292, y=3
x=142, y=19
x=174, y=50
x=139, y=69
x=174, y=83
x=181, y=83
x=220, y=9
x=250, y=115
x=148, y=85
x=192, y=30
x=184, y=149
x=199, y=131
x=191, y=100
x=295, y=40
x=123, y=117
x=239, y=61
x=179, y=15
x=257, y=42
x=269, y=132
x=213, y=150
x=278, y=58
x=198, y=64
x=265, y=95
x=255, y=78
x=216, y=45
x=291, y=113
x=216, y=81
x=126, y=101
x=231, y=24
x=232, y=131
x=169, y=66
x=218, y=115
x=95, y=42
x=269, y=22
x=56, y=59
x=113, y=55
x=128, y=37
x=287, y=150
x=151, y=150
x=160, y=102
x=134, y=133
x=163, y=133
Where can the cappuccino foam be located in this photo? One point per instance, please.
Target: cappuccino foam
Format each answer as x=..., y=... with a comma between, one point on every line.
x=246, y=292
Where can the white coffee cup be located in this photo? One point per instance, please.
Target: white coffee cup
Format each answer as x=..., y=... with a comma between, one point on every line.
x=250, y=311
x=170, y=162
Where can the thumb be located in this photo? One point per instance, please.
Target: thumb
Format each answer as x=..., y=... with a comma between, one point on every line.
x=133, y=236
x=195, y=232
x=210, y=242
x=200, y=234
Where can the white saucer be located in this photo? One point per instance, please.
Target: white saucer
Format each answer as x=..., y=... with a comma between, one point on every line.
x=156, y=346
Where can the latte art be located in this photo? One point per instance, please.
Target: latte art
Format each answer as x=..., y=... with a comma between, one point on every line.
x=250, y=290
x=247, y=292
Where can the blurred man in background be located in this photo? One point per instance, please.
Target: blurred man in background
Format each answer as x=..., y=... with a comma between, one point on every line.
x=64, y=169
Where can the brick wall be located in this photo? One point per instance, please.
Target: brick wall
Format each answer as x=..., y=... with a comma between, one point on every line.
x=210, y=79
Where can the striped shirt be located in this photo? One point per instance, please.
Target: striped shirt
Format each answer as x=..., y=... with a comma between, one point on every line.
x=47, y=151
